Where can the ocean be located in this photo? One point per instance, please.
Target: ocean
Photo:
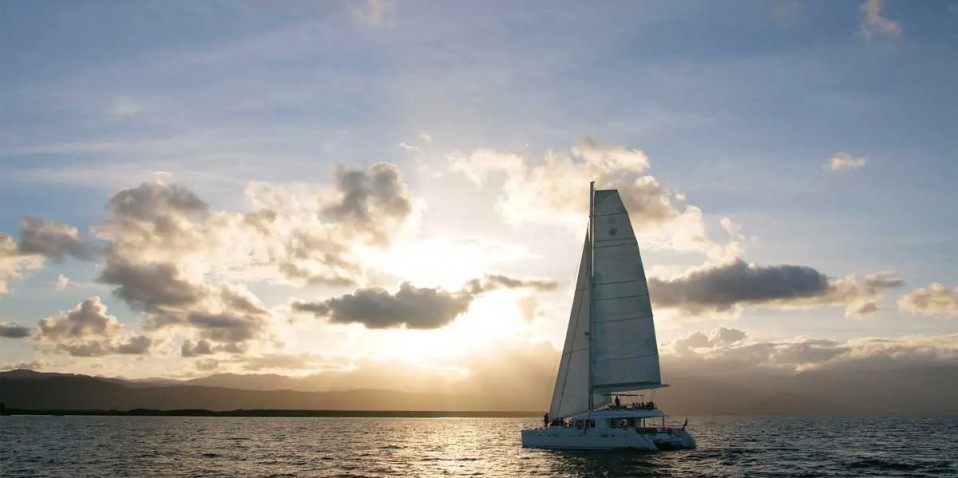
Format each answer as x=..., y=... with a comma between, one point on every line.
x=78, y=446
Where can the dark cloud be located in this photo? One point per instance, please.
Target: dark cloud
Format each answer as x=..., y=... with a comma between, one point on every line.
x=14, y=331
x=88, y=330
x=52, y=239
x=201, y=347
x=138, y=345
x=370, y=203
x=724, y=286
x=494, y=281
x=884, y=280
x=150, y=286
x=325, y=277
x=155, y=200
x=227, y=327
x=721, y=337
x=415, y=308
x=864, y=308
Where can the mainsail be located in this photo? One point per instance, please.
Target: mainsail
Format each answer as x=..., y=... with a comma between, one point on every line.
x=624, y=353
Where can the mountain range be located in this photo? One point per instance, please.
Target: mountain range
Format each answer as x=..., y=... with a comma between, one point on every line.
x=898, y=390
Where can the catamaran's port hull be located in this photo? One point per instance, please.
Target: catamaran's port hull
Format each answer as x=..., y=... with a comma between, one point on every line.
x=568, y=438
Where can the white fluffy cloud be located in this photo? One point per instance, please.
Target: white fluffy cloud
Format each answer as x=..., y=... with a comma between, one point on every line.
x=845, y=162
x=181, y=262
x=874, y=21
x=554, y=191
x=935, y=300
x=733, y=349
x=13, y=264
x=88, y=330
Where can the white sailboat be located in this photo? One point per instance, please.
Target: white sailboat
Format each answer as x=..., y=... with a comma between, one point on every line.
x=610, y=351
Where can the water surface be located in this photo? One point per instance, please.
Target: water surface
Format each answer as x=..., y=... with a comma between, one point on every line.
x=76, y=446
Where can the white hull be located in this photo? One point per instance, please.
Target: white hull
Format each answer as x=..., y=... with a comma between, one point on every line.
x=569, y=438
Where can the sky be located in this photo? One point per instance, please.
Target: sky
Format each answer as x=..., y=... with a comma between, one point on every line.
x=395, y=194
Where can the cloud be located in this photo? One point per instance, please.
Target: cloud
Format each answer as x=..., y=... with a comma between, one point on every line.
x=554, y=191
x=720, y=337
x=52, y=239
x=88, y=330
x=730, y=285
x=190, y=349
x=731, y=350
x=845, y=162
x=179, y=261
x=14, y=331
x=935, y=300
x=884, y=279
x=370, y=204
x=40, y=239
x=375, y=13
x=31, y=365
x=13, y=263
x=412, y=307
x=375, y=308
x=495, y=281
x=875, y=23
x=64, y=282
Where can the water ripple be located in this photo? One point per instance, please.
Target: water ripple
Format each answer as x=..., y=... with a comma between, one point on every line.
x=293, y=447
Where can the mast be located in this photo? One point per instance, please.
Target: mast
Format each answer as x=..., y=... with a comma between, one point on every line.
x=591, y=281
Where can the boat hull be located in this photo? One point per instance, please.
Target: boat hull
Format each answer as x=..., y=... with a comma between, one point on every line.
x=568, y=438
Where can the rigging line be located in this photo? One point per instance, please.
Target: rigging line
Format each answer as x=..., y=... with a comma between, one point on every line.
x=555, y=364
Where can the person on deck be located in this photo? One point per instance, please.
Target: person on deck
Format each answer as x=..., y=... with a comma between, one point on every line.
x=545, y=421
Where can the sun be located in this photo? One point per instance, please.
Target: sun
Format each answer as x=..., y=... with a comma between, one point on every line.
x=442, y=261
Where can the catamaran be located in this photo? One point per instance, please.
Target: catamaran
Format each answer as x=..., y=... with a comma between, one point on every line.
x=610, y=351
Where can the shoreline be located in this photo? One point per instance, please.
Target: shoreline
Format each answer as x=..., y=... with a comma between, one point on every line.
x=277, y=413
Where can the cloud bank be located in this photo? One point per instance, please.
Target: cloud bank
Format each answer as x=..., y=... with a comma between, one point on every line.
x=724, y=287
x=411, y=307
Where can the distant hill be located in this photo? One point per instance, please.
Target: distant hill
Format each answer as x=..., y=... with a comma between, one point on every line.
x=857, y=391
x=79, y=392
